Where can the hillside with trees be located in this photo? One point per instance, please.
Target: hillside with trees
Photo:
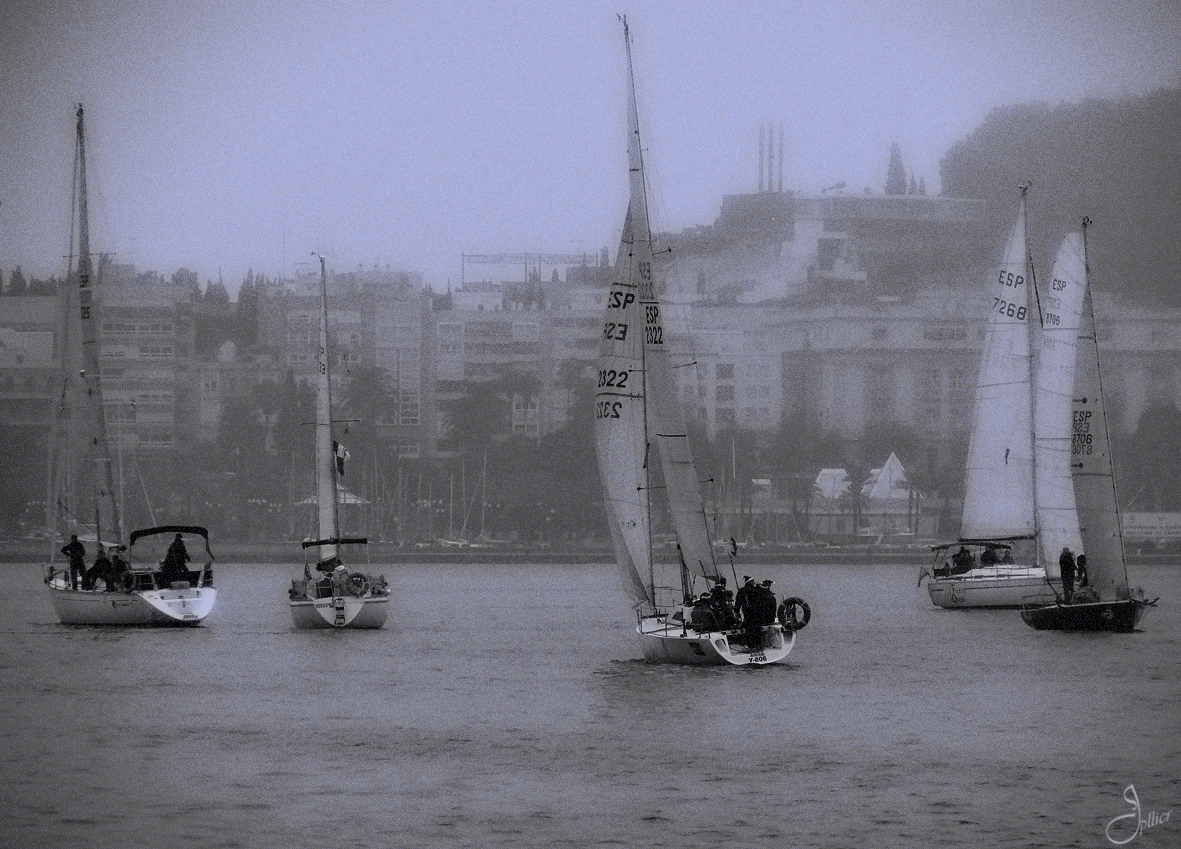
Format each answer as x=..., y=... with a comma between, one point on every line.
x=1115, y=161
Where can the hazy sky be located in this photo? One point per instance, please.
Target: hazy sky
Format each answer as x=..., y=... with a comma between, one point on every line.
x=229, y=134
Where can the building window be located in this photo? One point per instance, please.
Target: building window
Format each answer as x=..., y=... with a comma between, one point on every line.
x=155, y=352
x=945, y=333
x=724, y=392
x=725, y=415
x=725, y=371
x=880, y=334
x=408, y=407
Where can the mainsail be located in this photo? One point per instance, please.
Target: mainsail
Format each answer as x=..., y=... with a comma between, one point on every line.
x=1094, y=478
x=636, y=409
x=1057, y=516
x=998, y=490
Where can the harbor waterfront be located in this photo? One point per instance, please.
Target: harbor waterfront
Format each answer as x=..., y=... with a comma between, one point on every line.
x=475, y=718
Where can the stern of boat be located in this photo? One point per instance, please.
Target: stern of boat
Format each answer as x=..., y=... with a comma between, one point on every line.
x=340, y=612
x=664, y=641
x=1121, y=617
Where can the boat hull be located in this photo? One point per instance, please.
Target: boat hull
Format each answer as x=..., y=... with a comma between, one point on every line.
x=1120, y=616
x=158, y=607
x=668, y=642
x=367, y=612
x=992, y=588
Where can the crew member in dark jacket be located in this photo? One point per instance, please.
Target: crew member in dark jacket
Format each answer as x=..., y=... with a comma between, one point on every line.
x=743, y=598
x=723, y=603
x=76, y=551
x=173, y=567
x=1066, y=566
x=101, y=569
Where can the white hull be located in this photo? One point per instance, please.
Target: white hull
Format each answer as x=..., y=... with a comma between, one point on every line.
x=1001, y=587
x=146, y=607
x=340, y=612
x=669, y=642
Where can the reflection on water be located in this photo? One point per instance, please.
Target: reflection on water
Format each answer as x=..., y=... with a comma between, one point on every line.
x=506, y=706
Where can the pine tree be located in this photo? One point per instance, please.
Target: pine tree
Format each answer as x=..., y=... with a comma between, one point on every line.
x=16, y=283
x=895, y=174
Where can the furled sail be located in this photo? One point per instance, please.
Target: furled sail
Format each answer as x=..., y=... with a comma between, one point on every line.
x=326, y=460
x=1057, y=515
x=998, y=489
x=86, y=494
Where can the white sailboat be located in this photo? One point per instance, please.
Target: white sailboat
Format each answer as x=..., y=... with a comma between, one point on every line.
x=336, y=597
x=637, y=424
x=1105, y=602
x=83, y=502
x=1012, y=458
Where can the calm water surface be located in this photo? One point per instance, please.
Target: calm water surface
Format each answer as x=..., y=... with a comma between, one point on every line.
x=507, y=706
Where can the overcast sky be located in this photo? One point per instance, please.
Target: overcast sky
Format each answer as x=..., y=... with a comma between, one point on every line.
x=229, y=134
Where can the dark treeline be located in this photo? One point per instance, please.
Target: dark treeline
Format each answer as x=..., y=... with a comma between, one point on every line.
x=1114, y=161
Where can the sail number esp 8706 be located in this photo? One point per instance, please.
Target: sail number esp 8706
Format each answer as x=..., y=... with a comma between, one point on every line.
x=1053, y=319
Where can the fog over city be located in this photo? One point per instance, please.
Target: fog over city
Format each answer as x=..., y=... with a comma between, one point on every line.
x=225, y=137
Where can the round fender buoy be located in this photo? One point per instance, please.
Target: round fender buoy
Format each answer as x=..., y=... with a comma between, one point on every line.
x=359, y=584
x=794, y=613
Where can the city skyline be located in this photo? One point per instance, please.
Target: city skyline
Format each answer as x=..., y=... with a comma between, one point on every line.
x=225, y=139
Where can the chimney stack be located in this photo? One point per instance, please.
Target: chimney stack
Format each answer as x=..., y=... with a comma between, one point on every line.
x=781, y=157
x=762, y=144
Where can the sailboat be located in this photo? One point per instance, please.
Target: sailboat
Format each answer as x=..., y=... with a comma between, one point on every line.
x=83, y=502
x=338, y=597
x=997, y=562
x=681, y=606
x=1105, y=602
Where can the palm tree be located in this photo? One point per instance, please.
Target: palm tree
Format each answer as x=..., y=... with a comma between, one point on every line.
x=366, y=400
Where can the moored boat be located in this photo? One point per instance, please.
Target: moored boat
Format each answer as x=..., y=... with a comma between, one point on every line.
x=141, y=592
x=82, y=500
x=330, y=595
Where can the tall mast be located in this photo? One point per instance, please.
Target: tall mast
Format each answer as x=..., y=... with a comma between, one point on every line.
x=329, y=527
x=1031, y=332
x=106, y=507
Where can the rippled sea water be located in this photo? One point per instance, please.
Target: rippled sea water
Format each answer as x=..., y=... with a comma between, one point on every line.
x=506, y=705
